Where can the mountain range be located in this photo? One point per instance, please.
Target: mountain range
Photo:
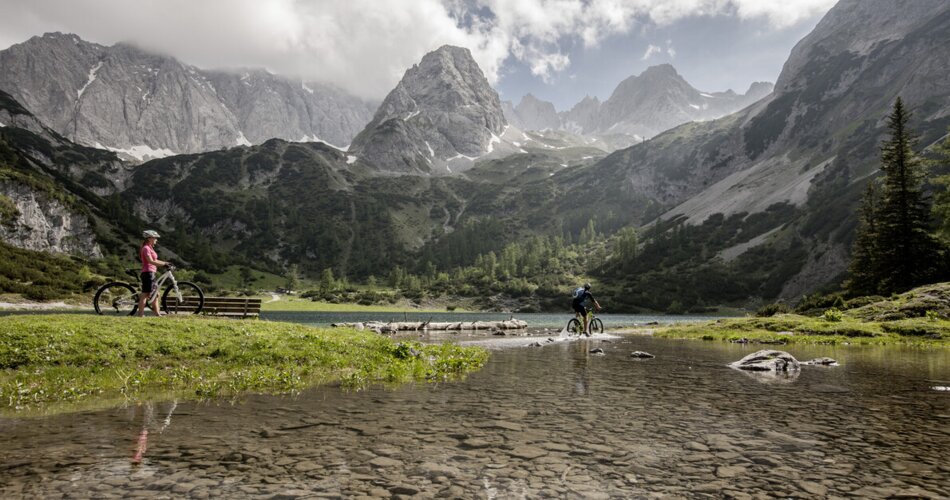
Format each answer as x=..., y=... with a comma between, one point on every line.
x=755, y=205
x=640, y=107
x=145, y=105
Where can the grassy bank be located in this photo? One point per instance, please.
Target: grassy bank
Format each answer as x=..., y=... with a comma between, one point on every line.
x=84, y=361
x=795, y=329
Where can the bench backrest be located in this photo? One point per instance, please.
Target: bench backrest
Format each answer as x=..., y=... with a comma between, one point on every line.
x=219, y=306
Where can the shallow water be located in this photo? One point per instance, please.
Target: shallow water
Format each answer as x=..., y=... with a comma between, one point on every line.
x=536, y=421
x=535, y=320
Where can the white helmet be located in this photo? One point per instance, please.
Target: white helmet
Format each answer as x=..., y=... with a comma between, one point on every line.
x=148, y=233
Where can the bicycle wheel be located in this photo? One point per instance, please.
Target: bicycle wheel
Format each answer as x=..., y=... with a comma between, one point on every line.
x=596, y=326
x=575, y=327
x=116, y=299
x=192, y=299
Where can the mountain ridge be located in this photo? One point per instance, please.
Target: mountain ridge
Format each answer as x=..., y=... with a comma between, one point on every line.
x=640, y=107
x=144, y=105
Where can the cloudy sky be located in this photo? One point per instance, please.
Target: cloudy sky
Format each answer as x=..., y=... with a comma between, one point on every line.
x=559, y=50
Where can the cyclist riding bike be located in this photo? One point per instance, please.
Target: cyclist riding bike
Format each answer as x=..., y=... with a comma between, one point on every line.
x=582, y=305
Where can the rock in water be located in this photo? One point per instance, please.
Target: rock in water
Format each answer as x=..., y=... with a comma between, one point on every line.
x=767, y=361
x=821, y=362
x=596, y=350
x=641, y=355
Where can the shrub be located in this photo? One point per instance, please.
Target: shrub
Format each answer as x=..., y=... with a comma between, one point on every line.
x=769, y=310
x=42, y=293
x=833, y=315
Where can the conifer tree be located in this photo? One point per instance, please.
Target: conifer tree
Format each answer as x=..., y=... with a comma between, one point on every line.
x=864, y=270
x=907, y=253
x=941, y=206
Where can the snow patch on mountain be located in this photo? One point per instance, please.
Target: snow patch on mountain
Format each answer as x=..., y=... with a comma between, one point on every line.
x=141, y=152
x=92, y=78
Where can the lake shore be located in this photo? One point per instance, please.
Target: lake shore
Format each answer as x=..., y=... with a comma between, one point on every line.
x=785, y=329
x=65, y=361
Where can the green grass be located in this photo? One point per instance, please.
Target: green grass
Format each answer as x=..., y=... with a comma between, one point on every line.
x=53, y=363
x=795, y=329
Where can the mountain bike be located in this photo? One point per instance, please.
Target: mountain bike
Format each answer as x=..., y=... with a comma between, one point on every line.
x=576, y=325
x=119, y=298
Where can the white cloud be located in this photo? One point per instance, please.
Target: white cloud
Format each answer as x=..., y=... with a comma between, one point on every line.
x=366, y=45
x=651, y=50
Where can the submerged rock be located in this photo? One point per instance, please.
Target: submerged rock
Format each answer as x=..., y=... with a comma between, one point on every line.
x=596, y=350
x=821, y=362
x=767, y=361
x=641, y=355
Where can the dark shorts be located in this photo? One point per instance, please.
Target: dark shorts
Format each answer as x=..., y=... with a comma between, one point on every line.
x=579, y=307
x=148, y=282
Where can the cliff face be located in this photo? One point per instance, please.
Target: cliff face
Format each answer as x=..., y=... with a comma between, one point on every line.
x=145, y=105
x=33, y=220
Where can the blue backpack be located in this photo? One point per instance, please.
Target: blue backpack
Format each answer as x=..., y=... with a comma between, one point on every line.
x=578, y=292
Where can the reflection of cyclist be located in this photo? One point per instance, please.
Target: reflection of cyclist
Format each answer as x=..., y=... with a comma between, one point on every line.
x=141, y=445
x=150, y=264
x=582, y=305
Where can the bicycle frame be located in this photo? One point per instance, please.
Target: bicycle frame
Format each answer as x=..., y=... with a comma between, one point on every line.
x=156, y=290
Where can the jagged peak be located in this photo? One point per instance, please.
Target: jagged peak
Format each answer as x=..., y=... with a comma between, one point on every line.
x=660, y=68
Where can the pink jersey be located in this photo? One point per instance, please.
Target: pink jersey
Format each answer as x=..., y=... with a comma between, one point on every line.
x=146, y=255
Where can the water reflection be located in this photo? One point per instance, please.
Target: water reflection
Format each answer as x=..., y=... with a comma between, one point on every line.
x=549, y=421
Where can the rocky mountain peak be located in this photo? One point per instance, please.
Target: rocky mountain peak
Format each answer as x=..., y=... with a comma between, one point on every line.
x=537, y=114
x=759, y=90
x=443, y=109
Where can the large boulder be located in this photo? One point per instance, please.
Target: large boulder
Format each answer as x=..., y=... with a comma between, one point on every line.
x=768, y=361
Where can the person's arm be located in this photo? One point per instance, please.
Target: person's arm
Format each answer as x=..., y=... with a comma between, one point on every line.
x=154, y=262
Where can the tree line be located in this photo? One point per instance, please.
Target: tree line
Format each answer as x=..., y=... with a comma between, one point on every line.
x=897, y=245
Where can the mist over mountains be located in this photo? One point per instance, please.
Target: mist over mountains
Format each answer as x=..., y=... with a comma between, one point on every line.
x=640, y=107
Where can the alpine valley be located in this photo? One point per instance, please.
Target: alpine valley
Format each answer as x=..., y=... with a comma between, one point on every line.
x=671, y=198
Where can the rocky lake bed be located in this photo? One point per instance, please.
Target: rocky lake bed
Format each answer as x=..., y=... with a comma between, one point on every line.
x=552, y=421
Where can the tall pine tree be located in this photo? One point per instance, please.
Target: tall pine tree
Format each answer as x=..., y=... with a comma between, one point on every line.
x=907, y=253
x=864, y=270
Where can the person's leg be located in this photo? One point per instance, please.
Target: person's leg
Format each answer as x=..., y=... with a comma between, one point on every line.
x=142, y=298
x=155, y=308
x=147, y=279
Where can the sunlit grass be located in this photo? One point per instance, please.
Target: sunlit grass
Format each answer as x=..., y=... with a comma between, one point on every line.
x=47, y=360
x=795, y=329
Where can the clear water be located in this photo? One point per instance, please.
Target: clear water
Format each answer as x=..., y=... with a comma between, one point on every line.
x=535, y=422
x=535, y=320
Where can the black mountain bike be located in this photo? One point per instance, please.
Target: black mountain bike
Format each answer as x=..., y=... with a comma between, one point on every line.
x=576, y=325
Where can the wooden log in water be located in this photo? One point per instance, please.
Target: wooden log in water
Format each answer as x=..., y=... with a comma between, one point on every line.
x=409, y=326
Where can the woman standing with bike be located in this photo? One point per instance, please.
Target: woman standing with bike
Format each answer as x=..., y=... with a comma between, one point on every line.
x=150, y=264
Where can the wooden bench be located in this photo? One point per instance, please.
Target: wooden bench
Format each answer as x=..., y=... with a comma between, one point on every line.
x=234, y=307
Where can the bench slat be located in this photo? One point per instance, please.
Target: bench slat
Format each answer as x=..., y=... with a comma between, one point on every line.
x=218, y=306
